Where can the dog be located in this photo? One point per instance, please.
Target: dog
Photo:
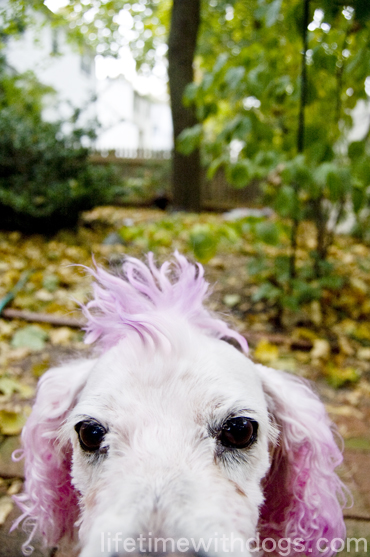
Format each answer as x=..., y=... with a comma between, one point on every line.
x=170, y=432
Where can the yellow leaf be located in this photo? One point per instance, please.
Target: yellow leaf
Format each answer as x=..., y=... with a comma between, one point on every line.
x=6, y=507
x=15, y=487
x=266, y=352
x=359, y=285
x=337, y=377
x=344, y=410
x=345, y=346
x=61, y=335
x=231, y=300
x=363, y=353
x=286, y=364
x=11, y=423
x=315, y=312
x=39, y=368
x=320, y=350
x=362, y=332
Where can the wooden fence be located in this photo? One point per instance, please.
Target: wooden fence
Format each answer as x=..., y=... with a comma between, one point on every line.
x=217, y=194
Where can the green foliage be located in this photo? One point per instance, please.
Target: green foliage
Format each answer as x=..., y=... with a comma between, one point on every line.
x=250, y=93
x=279, y=289
x=203, y=239
x=189, y=139
x=247, y=93
x=268, y=232
x=45, y=176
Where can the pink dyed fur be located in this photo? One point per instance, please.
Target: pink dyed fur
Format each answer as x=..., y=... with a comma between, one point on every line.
x=301, y=488
x=304, y=496
x=137, y=300
x=49, y=502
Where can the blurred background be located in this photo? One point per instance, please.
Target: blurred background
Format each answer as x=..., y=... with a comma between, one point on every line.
x=237, y=131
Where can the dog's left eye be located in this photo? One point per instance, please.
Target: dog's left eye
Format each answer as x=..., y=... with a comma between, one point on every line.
x=90, y=435
x=238, y=432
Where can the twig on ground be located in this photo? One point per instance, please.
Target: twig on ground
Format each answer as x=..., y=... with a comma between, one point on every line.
x=56, y=320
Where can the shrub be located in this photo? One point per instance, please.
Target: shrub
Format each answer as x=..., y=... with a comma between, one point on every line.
x=45, y=175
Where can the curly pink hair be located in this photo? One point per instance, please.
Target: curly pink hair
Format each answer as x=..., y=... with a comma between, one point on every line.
x=304, y=497
x=137, y=298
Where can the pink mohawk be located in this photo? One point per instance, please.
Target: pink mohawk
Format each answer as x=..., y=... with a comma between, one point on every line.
x=137, y=298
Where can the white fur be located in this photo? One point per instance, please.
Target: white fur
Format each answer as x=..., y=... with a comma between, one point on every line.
x=161, y=474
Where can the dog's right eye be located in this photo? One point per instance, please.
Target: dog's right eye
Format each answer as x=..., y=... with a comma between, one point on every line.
x=90, y=435
x=238, y=433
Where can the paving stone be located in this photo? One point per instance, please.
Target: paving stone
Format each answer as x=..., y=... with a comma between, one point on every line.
x=11, y=542
x=357, y=477
x=360, y=530
x=8, y=468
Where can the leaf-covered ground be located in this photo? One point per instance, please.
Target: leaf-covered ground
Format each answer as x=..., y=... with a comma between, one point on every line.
x=328, y=344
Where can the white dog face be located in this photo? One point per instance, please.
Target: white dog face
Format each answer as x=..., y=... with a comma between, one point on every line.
x=168, y=434
x=171, y=438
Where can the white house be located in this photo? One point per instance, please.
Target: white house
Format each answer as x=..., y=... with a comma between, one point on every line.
x=47, y=54
x=361, y=120
x=128, y=120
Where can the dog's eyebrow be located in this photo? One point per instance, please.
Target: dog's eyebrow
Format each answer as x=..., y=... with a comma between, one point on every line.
x=233, y=411
x=217, y=422
x=85, y=418
x=74, y=419
x=241, y=412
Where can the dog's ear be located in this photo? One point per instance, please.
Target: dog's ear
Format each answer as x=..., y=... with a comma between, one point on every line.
x=303, y=495
x=49, y=501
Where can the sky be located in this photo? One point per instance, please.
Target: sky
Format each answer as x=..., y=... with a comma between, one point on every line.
x=124, y=64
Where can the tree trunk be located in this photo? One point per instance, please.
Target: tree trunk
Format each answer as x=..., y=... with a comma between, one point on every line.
x=303, y=97
x=300, y=133
x=185, y=20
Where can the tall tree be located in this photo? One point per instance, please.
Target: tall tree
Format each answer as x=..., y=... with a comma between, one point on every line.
x=182, y=42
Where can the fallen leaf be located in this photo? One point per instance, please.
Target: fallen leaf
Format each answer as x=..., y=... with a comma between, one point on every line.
x=44, y=295
x=50, y=282
x=231, y=300
x=337, y=377
x=286, y=364
x=304, y=333
x=344, y=410
x=11, y=423
x=321, y=349
x=39, y=368
x=15, y=487
x=8, y=386
x=363, y=353
x=6, y=507
x=345, y=346
x=61, y=335
x=357, y=443
x=31, y=336
x=362, y=332
x=18, y=353
x=315, y=313
x=359, y=285
x=6, y=328
x=266, y=352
